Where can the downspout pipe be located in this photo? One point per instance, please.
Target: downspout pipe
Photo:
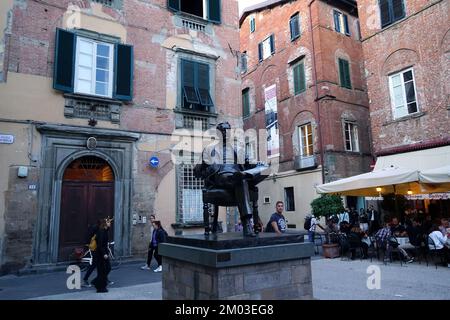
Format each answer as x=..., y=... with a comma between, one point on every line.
x=319, y=124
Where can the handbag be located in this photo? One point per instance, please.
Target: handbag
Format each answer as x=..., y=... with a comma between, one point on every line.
x=392, y=241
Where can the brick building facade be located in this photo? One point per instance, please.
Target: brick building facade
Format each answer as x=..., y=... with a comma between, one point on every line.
x=311, y=52
x=90, y=91
x=406, y=48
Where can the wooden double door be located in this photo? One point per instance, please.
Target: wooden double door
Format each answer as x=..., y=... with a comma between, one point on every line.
x=82, y=204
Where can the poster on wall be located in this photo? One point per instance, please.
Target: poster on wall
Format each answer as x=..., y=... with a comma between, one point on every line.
x=273, y=142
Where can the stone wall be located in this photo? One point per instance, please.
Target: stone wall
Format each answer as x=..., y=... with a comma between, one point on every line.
x=282, y=280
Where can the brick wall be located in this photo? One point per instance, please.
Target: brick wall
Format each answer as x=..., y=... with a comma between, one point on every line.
x=294, y=110
x=422, y=41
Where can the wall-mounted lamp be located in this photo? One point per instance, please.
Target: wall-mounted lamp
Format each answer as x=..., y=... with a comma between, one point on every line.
x=378, y=189
x=409, y=192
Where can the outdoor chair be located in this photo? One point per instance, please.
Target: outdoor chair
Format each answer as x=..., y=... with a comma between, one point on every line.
x=434, y=253
x=318, y=242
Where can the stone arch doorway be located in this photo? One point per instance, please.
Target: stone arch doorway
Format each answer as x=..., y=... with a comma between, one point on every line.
x=87, y=194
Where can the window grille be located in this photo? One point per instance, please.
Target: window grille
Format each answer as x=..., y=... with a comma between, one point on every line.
x=190, y=202
x=105, y=2
x=189, y=122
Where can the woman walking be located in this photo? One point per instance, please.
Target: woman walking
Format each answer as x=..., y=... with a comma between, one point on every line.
x=103, y=263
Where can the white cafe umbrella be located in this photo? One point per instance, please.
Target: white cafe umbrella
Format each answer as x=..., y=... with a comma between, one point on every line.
x=387, y=180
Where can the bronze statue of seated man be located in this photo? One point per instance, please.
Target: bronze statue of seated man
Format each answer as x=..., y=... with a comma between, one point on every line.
x=228, y=183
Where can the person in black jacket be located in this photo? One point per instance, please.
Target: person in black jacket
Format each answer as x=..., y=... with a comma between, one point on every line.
x=159, y=235
x=92, y=231
x=102, y=252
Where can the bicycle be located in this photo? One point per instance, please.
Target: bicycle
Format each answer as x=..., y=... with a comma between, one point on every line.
x=114, y=261
x=84, y=258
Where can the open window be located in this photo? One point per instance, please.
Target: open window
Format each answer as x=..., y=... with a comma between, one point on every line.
x=93, y=67
x=195, y=85
x=204, y=9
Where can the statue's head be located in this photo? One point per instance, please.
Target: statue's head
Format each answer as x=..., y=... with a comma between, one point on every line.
x=223, y=127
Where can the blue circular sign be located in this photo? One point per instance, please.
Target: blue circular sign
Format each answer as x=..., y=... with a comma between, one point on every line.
x=154, y=162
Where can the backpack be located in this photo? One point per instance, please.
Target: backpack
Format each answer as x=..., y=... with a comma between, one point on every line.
x=307, y=224
x=269, y=227
x=93, y=243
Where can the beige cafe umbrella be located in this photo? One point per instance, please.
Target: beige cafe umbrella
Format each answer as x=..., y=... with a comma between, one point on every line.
x=387, y=180
x=436, y=180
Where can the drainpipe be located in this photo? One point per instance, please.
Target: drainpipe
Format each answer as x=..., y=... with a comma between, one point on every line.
x=319, y=125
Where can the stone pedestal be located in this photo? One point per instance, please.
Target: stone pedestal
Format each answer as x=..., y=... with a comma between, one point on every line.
x=232, y=267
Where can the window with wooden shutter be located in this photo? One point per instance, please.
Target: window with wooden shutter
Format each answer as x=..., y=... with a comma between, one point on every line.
x=252, y=24
x=188, y=80
x=299, y=78
x=123, y=69
x=195, y=85
x=64, y=68
x=203, y=84
x=245, y=103
x=294, y=26
x=344, y=74
x=244, y=62
x=341, y=22
x=205, y=9
x=391, y=11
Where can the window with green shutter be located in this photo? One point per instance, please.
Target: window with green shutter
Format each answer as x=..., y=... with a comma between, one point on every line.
x=206, y=9
x=391, y=11
x=245, y=103
x=294, y=26
x=344, y=74
x=195, y=86
x=252, y=24
x=299, y=78
x=86, y=64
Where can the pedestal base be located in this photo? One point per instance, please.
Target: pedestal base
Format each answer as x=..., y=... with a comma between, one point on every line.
x=267, y=267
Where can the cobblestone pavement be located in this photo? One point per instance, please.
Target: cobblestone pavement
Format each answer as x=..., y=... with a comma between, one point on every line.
x=333, y=279
x=336, y=279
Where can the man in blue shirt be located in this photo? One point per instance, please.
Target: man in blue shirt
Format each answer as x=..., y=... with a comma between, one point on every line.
x=277, y=220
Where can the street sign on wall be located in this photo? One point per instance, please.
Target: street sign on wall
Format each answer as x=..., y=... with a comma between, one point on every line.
x=6, y=138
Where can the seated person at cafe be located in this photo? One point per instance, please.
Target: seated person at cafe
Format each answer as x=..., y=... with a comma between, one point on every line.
x=437, y=241
x=355, y=237
x=384, y=237
x=415, y=234
x=397, y=229
x=345, y=227
x=444, y=226
x=331, y=230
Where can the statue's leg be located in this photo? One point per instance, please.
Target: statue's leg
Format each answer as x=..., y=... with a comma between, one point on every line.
x=216, y=215
x=206, y=218
x=243, y=199
x=255, y=217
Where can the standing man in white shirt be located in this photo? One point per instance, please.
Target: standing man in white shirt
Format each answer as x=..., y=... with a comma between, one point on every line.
x=312, y=229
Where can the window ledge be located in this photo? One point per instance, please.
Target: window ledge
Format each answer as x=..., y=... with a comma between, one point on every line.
x=91, y=98
x=195, y=113
x=406, y=118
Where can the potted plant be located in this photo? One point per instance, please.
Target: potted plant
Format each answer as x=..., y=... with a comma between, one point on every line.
x=327, y=206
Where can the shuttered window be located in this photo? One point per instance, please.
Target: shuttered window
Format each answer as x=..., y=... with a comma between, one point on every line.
x=91, y=67
x=341, y=22
x=244, y=62
x=245, y=103
x=391, y=11
x=294, y=26
x=266, y=48
x=299, y=78
x=195, y=85
x=252, y=24
x=205, y=9
x=344, y=74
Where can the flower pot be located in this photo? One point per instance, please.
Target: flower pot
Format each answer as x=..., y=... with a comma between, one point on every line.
x=330, y=250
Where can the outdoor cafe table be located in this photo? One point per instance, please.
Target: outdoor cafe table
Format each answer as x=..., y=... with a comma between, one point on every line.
x=402, y=240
